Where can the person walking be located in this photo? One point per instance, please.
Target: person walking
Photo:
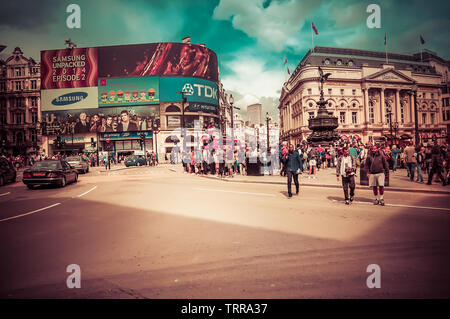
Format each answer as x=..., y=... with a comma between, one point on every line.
x=411, y=161
x=420, y=157
x=346, y=167
x=312, y=164
x=437, y=165
x=293, y=168
x=378, y=168
x=395, y=154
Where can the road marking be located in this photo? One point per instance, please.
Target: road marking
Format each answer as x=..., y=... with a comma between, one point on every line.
x=224, y=191
x=34, y=211
x=88, y=191
x=5, y=194
x=398, y=205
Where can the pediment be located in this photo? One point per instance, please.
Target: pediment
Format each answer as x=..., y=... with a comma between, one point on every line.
x=389, y=75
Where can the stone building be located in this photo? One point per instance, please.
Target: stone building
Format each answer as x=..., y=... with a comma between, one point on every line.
x=20, y=110
x=366, y=93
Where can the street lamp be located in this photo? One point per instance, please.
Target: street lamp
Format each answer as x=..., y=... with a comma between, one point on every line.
x=231, y=100
x=389, y=112
x=395, y=127
x=267, y=127
x=413, y=92
x=183, y=100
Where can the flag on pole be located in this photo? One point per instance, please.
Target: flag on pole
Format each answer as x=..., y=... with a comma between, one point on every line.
x=314, y=28
x=422, y=41
x=385, y=46
x=289, y=72
x=285, y=60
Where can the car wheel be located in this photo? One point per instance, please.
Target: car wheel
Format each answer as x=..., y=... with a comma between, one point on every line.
x=63, y=182
x=14, y=179
x=30, y=186
x=76, y=178
x=2, y=181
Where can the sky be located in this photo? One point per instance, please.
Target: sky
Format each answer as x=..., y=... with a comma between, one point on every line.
x=251, y=37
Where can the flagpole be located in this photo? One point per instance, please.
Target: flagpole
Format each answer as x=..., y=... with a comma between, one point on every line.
x=385, y=45
x=312, y=38
x=421, y=49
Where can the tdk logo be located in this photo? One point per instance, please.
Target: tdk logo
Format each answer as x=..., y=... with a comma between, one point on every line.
x=202, y=90
x=69, y=98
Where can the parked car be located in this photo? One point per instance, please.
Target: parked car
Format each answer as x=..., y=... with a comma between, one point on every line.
x=81, y=165
x=7, y=172
x=134, y=160
x=50, y=172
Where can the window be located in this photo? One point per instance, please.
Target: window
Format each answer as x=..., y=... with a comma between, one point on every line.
x=3, y=118
x=371, y=113
x=33, y=84
x=2, y=86
x=311, y=115
x=342, y=117
x=447, y=101
x=354, y=118
x=310, y=104
x=34, y=117
x=309, y=91
x=330, y=91
x=432, y=95
x=432, y=118
x=424, y=95
x=424, y=118
x=18, y=73
x=33, y=136
x=402, y=113
x=18, y=85
x=342, y=91
x=354, y=92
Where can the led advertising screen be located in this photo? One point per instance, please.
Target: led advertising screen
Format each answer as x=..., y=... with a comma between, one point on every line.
x=128, y=91
x=69, y=68
x=113, y=119
x=197, y=90
x=69, y=99
x=158, y=59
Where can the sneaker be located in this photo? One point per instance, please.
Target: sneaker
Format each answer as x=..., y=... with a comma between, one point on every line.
x=382, y=202
x=351, y=198
x=376, y=202
x=296, y=192
x=289, y=195
x=347, y=202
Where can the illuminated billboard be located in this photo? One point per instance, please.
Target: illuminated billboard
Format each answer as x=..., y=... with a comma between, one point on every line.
x=128, y=91
x=69, y=99
x=197, y=90
x=158, y=59
x=69, y=68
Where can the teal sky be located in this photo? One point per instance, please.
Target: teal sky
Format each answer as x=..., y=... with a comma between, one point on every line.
x=250, y=37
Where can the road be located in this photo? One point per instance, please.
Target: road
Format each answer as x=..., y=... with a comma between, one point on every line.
x=154, y=233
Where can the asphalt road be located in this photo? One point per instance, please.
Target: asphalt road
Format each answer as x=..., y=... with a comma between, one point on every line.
x=153, y=233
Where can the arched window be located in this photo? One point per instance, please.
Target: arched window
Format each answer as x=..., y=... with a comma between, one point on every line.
x=173, y=108
x=172, y=139
x=371, y=113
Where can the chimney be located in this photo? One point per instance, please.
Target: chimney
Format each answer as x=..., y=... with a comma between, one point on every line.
x=187, y=40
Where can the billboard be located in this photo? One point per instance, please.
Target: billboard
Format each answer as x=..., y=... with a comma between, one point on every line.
x=113, y=119
x=69, y=99
x=69, y=68
x=197, y=90
x=158, y=59
x=128, y=91
x=201, y=107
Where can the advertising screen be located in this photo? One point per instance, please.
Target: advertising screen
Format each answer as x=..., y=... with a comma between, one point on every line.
x=68, y=68
x=113, y=119
x=69, y=99
x=128, y=91
x=158, y=59
x=197, y=90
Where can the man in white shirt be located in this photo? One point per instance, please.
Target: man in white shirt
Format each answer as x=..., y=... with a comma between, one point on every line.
x=346, y=167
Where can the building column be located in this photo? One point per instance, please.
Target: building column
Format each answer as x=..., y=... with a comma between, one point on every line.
x=397, y=106
x=366, y=105
x=383, y=107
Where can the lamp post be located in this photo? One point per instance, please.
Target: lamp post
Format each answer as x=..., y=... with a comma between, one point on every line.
x=183, y=134
x=389, y=112
x=267, y=127
x=395, y=127
x=231, y=100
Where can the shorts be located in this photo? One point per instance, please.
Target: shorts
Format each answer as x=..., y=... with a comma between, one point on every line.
x=376, y=180
x=312, y=163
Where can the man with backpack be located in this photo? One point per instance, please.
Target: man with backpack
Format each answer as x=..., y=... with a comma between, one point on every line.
x=378, y=168
x=293, y=168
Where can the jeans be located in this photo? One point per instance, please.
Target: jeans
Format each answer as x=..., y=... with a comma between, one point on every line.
x=289, y=182
x=435, y=169
x=419, y=173
x=346, y=182
x=394, y=168
x=411, y=169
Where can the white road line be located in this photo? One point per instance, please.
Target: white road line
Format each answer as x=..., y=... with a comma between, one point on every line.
x=34, y=211
x=224, y=191
x=5, y=194
x=399, y=205
x=88, y=191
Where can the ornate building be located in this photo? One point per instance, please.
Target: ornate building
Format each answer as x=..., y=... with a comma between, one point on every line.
x=20, y=111
x=367, y=94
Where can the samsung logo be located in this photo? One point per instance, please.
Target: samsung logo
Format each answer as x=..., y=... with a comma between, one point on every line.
x=69, y=98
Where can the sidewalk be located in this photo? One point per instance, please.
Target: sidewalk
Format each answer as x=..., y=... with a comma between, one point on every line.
x=327, y=178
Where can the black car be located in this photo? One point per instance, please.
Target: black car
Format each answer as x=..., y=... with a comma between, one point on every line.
x=135, y=160
x=7, y=172
x=51, y=172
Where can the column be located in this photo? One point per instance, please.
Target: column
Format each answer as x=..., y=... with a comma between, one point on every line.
x=383, y=107
x=366, y=105
x=397, y=106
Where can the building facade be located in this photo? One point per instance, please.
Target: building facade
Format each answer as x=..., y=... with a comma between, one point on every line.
x=20, y=108
x=371, y=96
x=254, y=114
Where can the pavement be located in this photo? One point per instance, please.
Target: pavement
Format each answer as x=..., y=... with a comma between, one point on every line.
x=155, y=232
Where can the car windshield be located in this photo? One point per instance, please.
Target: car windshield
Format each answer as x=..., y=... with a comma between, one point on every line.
x=46, y=165
x=73, y=159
